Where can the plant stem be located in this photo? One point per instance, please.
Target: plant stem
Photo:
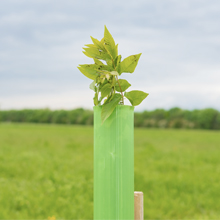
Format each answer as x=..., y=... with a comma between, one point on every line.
x=118, y=83
x=121, y=90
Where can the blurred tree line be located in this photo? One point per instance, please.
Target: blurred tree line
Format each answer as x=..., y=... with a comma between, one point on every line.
x=159, y=118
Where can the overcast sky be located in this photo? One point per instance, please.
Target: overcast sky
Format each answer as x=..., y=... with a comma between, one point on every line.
x=41, y=46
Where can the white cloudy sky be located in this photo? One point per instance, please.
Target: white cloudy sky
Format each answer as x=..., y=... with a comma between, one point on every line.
x=41, y=45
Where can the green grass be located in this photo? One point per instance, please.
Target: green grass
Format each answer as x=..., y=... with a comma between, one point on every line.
x=47, y=170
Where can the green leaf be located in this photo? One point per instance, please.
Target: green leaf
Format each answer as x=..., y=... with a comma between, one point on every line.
x=114, y=81
x=110, y=63
x=95, y=99
x=108, y=108
x=102, y=41
x=124, y=85
x=129, y=64
x=91, y=45
x=107, y=100
x=92, y=70
x=116, y=51
x=96, y=53
x=104, y=67
x=117, y=60
x=105, y=90
x=98, y=62
x=135, y=97
x=110, y=44
x=98, y=44
x=88, y=72
x=87, y=54
x=92, y=85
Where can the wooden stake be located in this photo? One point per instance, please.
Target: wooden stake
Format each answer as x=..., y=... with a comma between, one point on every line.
x=138, y=206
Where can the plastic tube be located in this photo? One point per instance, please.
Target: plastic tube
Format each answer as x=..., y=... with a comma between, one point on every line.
x=114, y=164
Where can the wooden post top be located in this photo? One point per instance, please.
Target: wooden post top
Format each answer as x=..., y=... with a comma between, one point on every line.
x=138, y=205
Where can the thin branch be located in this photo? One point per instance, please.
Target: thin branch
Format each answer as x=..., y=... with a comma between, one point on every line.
x=121, y=90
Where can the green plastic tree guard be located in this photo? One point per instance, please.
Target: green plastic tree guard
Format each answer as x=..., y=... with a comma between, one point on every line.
x=114, y=164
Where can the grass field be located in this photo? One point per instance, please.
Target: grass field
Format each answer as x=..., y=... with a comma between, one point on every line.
x=47, y=170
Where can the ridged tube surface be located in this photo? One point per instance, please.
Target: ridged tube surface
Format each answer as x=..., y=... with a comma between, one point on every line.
x=114, y=164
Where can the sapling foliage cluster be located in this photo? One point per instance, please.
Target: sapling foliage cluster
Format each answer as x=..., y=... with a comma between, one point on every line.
x=110, y=90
